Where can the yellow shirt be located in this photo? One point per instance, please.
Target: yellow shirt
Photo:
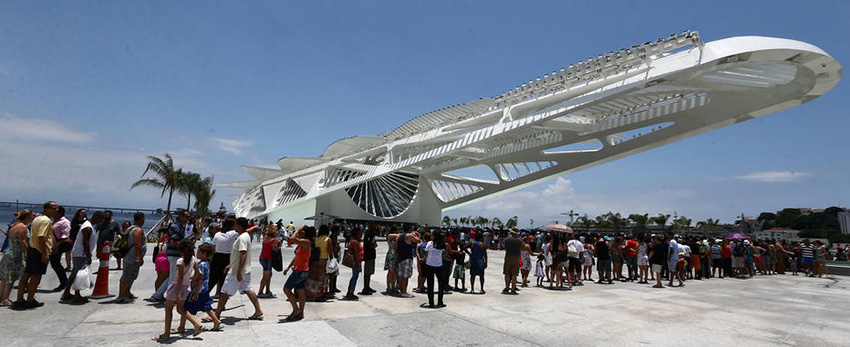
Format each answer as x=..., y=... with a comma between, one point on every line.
x=322, y=245
x=42, y=227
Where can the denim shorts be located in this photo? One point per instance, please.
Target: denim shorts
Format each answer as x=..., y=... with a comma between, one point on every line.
x=267, y=264
x=296, y=280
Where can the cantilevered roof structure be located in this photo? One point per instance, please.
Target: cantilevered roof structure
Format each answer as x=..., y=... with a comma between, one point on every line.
x=582, y=115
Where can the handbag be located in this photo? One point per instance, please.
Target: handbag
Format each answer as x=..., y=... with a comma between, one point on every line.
x=277, y=260
x=348, y=259
x=332, y=266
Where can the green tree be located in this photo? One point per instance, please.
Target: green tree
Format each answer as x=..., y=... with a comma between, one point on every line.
x=585, y=221
x=661, y=220
x=512, y=222
x=641, y=220
x=203, y=195
x=163, y=176
x=190, y=183
x=447, y=221
x=708, y=225
x=496, y=222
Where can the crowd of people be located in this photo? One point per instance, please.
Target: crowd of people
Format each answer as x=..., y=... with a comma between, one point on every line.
x=196, y=266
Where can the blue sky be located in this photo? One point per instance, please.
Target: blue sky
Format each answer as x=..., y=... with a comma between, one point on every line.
x=87, y=89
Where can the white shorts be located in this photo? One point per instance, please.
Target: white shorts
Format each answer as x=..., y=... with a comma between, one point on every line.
x=231, y=285
x=656, y=268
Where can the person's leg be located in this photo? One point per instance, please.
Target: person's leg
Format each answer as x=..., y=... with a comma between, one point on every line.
x=302, y=300
x=172, y=272
x=524, y=278
x=443, y=287
x=56, y=264
x=222, y=301
x=32, y=286
x=68, y=260
x=430, y=273
x=472, y=283
x=253, y=297
x=352, y=283
x=293, y=301
x=169, y=305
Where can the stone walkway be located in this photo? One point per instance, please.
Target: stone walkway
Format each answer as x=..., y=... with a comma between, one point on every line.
x=763, y=311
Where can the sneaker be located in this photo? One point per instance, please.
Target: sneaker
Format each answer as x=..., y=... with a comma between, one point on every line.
x=34, y=304
x=506, y=291
x=405, y=295
x=18, y=305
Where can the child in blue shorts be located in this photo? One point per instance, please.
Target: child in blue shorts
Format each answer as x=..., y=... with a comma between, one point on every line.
x=200, y=297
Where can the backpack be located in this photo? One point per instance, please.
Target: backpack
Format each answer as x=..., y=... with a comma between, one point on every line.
x=121, y=245
x=572, y=250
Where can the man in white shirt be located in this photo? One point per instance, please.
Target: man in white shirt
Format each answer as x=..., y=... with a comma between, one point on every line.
x=575, y=249
x=85, y=243
x=238, y=279
x=223, y=244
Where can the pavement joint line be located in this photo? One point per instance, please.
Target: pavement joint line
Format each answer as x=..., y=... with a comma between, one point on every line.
x=806, y=319
x=489, y=328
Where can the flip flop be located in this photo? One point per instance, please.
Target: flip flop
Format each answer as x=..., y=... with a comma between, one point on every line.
x=255, y=317
x=206, y=320
x=218, y=328
x=177, y=332
x=160, y=338
x=199, y=331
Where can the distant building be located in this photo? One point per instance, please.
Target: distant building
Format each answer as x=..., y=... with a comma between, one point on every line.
x=844, y=221
x=776, y=234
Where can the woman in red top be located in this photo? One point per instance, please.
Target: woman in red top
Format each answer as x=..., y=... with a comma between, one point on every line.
x=302, y=237
x=356, y=252
x=270, y=244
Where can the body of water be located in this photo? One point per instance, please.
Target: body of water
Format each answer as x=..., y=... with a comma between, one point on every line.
x=7, y=216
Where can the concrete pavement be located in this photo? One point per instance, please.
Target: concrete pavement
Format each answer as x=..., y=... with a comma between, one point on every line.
x=763, y=311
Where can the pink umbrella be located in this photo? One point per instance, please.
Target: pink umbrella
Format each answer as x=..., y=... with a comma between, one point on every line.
x=561, y=228
x=737, y=236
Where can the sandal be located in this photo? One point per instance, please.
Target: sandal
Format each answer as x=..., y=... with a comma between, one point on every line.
x=206, y=320
x=161, y=338
x=217, y=328
x=199, y=331
x=176, y=332
x=260, y=317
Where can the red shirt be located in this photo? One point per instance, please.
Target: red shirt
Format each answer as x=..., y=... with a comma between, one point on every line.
x=266, y=253
x=631, y=248
x=726, y=252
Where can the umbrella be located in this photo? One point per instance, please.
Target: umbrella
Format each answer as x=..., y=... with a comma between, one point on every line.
x=737, y=236
x=322, y=217
x=561, y=228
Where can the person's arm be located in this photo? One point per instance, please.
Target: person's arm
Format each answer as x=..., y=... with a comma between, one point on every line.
x=42, y=242
x=180, y=275
x=243, y=256
x=138, y=237
x=291, y=263
x=86, y=242
x=198, y=281
x=276, y=245
x=331, y=249
x=484, y=249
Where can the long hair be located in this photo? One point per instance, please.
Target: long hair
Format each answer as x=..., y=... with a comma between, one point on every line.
x=23, y=216
x=438, y=240
x=187, y=250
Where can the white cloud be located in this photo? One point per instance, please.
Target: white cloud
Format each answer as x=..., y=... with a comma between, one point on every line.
x=772, y=176
x=232, y=146
x=40, y=130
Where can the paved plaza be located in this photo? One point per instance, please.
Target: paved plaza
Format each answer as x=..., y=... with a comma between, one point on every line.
x=762, y=311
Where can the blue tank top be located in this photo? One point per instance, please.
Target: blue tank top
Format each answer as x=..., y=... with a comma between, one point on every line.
x=477, y=253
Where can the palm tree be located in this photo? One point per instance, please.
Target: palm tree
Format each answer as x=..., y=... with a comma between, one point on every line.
x=454, y=221
x=190, y=183
x=682, y=223
x=708, y=225
x=447, y=220
x=617, y=221
x=496, y=222
x=641, y=220
x=203, y=195
x=165, y=177
x=586, y=222
x=661, y=220
x=511, y=222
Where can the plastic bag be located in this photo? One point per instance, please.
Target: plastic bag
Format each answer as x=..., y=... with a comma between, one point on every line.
x=83, y=280
x=333, y=266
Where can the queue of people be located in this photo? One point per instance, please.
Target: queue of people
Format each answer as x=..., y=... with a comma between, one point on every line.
x=190, y=280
